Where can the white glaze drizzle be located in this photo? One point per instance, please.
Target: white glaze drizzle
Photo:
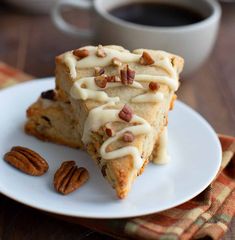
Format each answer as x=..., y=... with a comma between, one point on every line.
x=95, y=119
x=162, y=155
x=93, y=61
x=78, y=92
x=71, y=62
x=148, y=97
x=99, y=116
x=103, y=116
x=92, y=91
x=171, y=82
x=143, y=128
x=124, y=56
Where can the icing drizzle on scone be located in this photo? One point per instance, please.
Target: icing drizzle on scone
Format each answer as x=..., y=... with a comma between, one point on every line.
x=93, y=88
x=102, y=116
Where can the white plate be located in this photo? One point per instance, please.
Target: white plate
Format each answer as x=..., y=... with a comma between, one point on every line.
x=195, y=159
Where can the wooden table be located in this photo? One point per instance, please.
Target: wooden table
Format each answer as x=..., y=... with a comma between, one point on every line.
x=30, y=43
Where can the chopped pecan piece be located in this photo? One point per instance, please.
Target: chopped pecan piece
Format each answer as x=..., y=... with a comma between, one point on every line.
x=128, y=136
x=146, y=59
x=127, y=75
x=98, y=160
x=50, y=95
x=109, y=129
x=126, y=113
x=109, y=132
x=101, y=81
x=26, y=160
x=103, y=170
x=81, y=53
x=99, y=71
x=153, y=86
x=116, y=62
x=69, y=177
x=113, y=79
x=100, y=52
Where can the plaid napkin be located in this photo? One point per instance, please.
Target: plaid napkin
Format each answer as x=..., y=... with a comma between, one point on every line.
x=207, y=216
x=10, y=76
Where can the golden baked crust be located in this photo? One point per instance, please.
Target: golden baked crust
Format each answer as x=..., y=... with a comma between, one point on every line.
x=49, y=122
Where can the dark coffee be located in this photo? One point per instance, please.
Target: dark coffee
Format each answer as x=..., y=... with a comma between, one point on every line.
x=157, y=14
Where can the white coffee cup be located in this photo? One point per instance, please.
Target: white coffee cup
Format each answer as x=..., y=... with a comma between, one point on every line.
x=194, y=42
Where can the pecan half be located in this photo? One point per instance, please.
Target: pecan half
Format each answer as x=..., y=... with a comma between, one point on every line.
x=153, y=86
x=26, y=160
x=128, y=136
x=101, y=81
x=100, y=52
x=69, y=177
x=146, y=59
x=126, y=113
x=81, y=53
x=127, y=75
x=99, y=71
x=49, y=94
x=116, y=62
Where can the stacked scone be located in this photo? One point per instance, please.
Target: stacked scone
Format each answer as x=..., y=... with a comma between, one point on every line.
x=114, y=104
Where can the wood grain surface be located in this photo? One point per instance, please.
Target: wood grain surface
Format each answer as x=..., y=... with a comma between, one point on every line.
x=30, y=43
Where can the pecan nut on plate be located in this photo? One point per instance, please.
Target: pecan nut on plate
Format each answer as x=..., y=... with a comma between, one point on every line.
x=69, y=177
x=27, y=161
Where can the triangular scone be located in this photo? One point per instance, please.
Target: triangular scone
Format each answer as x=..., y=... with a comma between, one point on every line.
x=122, y=101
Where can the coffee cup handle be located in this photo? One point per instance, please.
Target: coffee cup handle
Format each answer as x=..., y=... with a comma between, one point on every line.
x=66, y=27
